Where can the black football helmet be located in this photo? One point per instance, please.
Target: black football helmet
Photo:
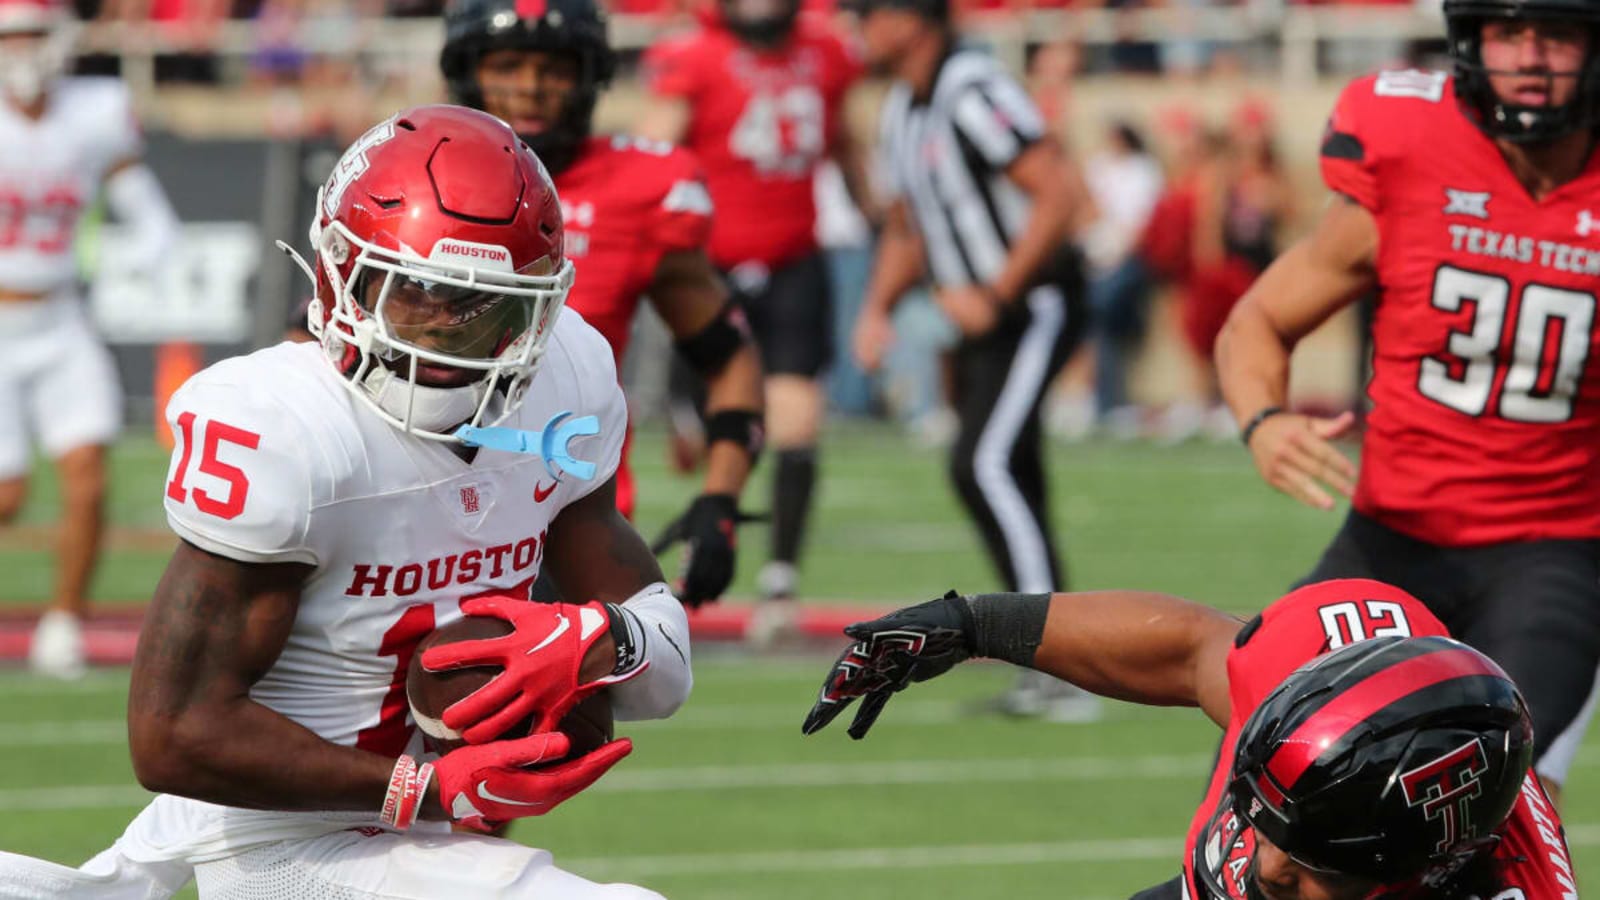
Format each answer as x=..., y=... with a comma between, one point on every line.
x=1522, y=124
x=473, y=28
x=767, y=28
x=1390, y=759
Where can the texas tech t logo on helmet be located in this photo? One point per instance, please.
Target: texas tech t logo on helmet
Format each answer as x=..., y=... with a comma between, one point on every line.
x=1443, y=788
x=1385, y=759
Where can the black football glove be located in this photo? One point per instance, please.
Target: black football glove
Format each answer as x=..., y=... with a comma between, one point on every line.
x=707, y=529
x=912, y=644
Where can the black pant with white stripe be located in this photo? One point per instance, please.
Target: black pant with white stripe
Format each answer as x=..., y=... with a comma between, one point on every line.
x=997, y=462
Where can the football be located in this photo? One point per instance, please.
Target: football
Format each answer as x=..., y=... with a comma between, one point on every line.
x=430, y=693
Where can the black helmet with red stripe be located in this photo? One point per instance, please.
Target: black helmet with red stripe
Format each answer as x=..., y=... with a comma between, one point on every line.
x=1503, y=119
x=1389, y=759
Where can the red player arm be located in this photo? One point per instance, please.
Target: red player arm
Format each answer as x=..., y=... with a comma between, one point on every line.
x=1153, y=649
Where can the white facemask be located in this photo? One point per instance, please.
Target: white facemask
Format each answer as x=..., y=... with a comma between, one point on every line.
x=437, y=409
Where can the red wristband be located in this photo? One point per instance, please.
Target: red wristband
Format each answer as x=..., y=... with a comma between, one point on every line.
x=403, y=800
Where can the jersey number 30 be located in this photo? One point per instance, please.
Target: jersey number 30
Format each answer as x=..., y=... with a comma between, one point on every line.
x=230, y=505
x=1353, y=621
x=1543, y=365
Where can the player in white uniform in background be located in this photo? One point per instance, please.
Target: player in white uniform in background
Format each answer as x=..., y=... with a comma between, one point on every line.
x=64, y=142
x=330, y=521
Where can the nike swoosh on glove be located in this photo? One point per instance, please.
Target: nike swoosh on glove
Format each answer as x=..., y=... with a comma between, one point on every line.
x=482, y=786
x=541, y=661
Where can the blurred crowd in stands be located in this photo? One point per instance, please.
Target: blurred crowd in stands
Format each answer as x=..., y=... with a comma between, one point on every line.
x=1191, y=209
x=308, y=40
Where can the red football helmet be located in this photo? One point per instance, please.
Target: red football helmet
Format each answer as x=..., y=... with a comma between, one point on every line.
x=38, y=36
x=439, y=269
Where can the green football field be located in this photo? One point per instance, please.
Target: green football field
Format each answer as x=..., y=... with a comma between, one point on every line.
x=727, y=800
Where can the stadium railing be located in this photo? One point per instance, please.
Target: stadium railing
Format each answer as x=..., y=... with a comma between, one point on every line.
x=1288, y=37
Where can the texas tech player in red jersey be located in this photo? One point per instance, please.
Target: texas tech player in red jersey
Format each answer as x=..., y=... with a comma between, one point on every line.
x=1365, y=754
x=637, y=216
x=627, y=203
x=1531, y=853
x=756, y=93
x=1465, y=204
x=1485, y=328
x=763, y=113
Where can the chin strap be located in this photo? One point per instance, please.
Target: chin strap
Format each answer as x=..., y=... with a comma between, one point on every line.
x=548, y=443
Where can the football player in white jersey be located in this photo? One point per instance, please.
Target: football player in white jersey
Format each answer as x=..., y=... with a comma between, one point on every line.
x=63, y=143
x=334, y=511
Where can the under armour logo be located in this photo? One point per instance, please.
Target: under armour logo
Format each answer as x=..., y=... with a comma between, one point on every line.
x=1466, y=203
x=1586, y=223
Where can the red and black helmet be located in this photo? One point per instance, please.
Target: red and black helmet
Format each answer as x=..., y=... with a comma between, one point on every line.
x=439, y=268
x=1389, y=759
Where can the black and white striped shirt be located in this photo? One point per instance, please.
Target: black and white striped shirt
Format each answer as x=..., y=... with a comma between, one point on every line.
x=947, y=158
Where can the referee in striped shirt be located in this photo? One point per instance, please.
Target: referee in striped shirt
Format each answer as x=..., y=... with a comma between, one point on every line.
x=981, y=201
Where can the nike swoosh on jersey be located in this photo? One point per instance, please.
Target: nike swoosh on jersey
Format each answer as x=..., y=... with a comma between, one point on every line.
x=541, y=493
x=485, y=793
x=558, y=631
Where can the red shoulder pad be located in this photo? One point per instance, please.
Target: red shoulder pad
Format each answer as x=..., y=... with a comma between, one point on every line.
x=842, y=62
x=1312, y=620
x=672, y=66
x=667, y=184
x=1376, y=117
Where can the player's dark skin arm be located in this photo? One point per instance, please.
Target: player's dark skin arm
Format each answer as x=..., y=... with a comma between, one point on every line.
x=1050, y=180
x=1154, y=649
x=688, y=294
x=594, y=554
x=1319, y=275
x=215, y=626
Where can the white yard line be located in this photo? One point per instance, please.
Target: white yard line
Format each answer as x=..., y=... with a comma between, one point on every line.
x=922, y=857
x=944, y=771
x=878, y=858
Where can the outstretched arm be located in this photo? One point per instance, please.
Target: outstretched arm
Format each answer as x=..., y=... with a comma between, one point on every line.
x=1154, y=649
x=1147, y=648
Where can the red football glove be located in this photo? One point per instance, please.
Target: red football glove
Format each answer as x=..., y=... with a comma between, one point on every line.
x=485, y=785
x=541, y=658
